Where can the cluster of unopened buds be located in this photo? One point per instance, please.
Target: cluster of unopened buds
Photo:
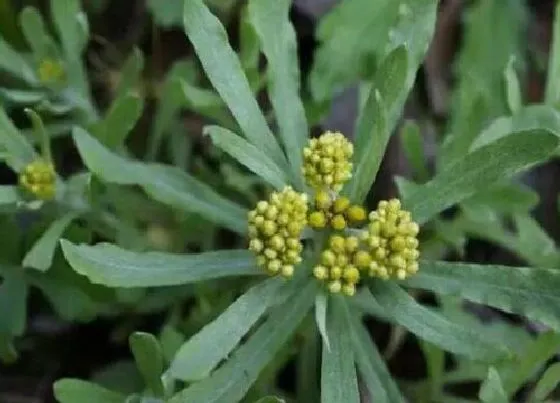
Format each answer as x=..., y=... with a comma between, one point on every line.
x=380, y=244
x=38, y=178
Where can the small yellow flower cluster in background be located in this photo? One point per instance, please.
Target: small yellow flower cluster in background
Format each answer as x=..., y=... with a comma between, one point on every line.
x=326, y=161
x=275, y=227
x=50, y=71
x=39, y=179
x=337, y=213
x=391, y=240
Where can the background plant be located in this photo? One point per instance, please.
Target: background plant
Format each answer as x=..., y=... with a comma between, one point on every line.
x=243, y=327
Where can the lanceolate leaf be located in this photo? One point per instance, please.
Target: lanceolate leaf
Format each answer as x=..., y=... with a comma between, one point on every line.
x=492, y=390
x=248, y=155
x=431, y=326
x=548, y=382
x=202, y=353
x=13, y=302
x=531, y=292
x=19, y=151
x=224, y=71
x=149, y=360
x=277, y=36
x=115, y=267
x=552, y=94
x=381, y=386
x=372, y=132
x=338, y=374
x=9, y=196
x=478, y=170
x=232, y=381
x=12, y=63
x=163, y=183
x=76, y=390
x=40, y=256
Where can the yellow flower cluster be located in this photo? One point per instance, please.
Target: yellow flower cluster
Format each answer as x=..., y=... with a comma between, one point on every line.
x=50, y=71
x=388, y=247
x=391, y=241
x=340, y=264
x=275, y=227
x=39, y=179
x=338, y=213
x=326, y=161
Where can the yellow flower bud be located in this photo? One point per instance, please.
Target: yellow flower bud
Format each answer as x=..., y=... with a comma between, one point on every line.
x=337, y=243
x=317, y=219
x=338, y=222
x=287, y=270
x=362, y=259
x=322, y=200
x=356, y=214
x=351, y=243
x=336, y=272
x=320, y=272
x=351, y=274
x=328, y=258
x=349, y=290
x=335, y=286
x=39, y=179
x=341, y=204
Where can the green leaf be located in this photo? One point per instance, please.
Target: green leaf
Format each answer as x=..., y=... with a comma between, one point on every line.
x=40, y=256
x=371, y=366
x=149, y=360
x=513, y=88
x=23, y=97
x=19, y=151
x=552, y=91
x=115, y=267
x=413, y=147
x=13, y=63
x=343, y=55
x=505, y=198
x=338, y=375
x=71, y=24
x=479, y=95
x=9, y=195
x=530, y=292
x=535, y=356
x=321, y=303
x=270, y=19
x=431, y=326
x=372, y=133
x=230, y=382
x=247, y=154
x=548, y=382
x=478, y=170
x=130, y=74
x=165, y=184
x=119, y=120
x=36, y=33
x=492, y=390
x=13, y=302
x=203, y=352
x=76, y=390
x=224, y=71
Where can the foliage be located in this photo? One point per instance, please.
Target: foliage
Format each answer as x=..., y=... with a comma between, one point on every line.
x=134, y=232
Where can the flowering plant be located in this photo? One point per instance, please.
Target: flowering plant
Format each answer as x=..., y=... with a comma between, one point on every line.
x=311, y=263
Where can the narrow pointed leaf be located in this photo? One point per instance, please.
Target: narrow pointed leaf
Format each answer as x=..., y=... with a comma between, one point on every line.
x=149, y=360
x=531, y=292
x=548, y=382
x=41, y=254
x=371, y=366
x=119, y=120
x=270, y=18
x=131, y=73
x=115, y=267
x=513, y=88
x=321, y=304
x=9, y=196
x=163, y=183
x=36, y=34
x=76, y=390
x=202, y=353
x=247, y=154
x=478, y=170
x=338, y=374
x=224, y=71
x=433, y=327
x=11, y=62
x=492, y=390
x=230, y=382
x=19, y=150
x=69, y=21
